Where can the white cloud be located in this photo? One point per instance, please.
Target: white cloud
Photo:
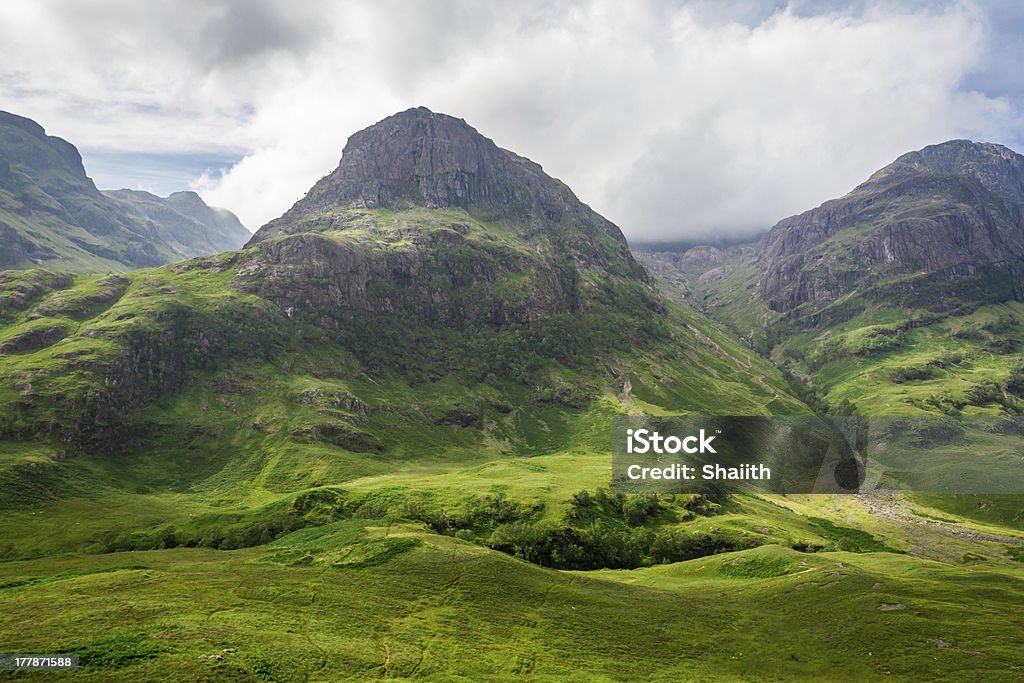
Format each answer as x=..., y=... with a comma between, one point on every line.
x=670, y=118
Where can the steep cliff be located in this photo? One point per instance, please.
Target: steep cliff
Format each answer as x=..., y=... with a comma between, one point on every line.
x=944, y=211
x=427, y=216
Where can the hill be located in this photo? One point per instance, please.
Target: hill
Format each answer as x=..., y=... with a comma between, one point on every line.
x=356, y=342
x=52, y=215
x=184, y=221
x=901, y=297
x=375, y=444
x=949, y=212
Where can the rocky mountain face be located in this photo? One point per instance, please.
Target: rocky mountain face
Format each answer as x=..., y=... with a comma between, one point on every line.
x=682, y=268
x=944, y=211
x=466, y=289
x=184, y=220
x=418, y=158
x=426, y=215
x=52, y=215
x=905, y=296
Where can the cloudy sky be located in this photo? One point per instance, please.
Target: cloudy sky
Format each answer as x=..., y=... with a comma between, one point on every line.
x=676, y=119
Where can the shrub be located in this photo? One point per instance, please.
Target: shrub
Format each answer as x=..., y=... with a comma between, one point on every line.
x=1015, y=382
x=985, y=393
x=911, y=373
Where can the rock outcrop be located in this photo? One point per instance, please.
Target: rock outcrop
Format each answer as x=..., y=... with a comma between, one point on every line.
x=418, y=158
x=426, y=216
x=944, y=210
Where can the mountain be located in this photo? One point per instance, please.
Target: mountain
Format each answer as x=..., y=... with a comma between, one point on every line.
x=432, y=279
x=184, y=221
x=943, y=212
x=446, y=330
x=426, y=215
x=421, y=159
x=52, y=215
x=903, y=296
x=368, y=444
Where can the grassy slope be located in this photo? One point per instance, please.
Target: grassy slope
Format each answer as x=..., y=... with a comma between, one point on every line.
x=372, y=594
x=390, y=601
x=887, y=358
x=879, y=355
x=245, y=434
x=868, y=360
x=61, y=239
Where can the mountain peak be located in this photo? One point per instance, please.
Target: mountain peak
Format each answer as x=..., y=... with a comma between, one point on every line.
x=54, y=217
x=25, y=124
x=25, y=142
x=997, y=168
x=418, y=158
x=955, y=155
x=946, y=208
x=426, y=208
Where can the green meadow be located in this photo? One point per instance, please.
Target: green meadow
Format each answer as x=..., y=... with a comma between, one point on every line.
x=196, y=486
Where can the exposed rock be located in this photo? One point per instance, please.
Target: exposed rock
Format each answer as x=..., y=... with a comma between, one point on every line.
x=887, y=607
x=72, y=304
x=418, y=158
x=34, y=338
x=19, y=290
x=945, y=210
x=19, y=250
x=334, y=399
x=427, y=218
x=700, y=257
x=480, y=234
x=340, y=434
x=462, y=418
x=336, y=278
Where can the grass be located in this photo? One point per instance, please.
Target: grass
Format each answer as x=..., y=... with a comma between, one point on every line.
x=363, y=597
x=245, y=614
x=851, y=540
x=197, y=486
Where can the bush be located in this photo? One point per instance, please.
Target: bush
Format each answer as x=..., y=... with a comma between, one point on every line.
x=477, y=516
x=936, y=431
x=911, y=373
x=679, y=545
x=634, y=510
x=1015, y=382
x=985, y=393
x=604, y=546
x=850, y=540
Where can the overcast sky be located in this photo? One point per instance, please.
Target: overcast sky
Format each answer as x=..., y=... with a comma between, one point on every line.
x=677, y=120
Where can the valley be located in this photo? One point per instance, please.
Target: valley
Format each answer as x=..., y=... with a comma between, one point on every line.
x=375, y=443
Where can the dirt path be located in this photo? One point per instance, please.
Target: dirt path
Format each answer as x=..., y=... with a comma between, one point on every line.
x=893, y=506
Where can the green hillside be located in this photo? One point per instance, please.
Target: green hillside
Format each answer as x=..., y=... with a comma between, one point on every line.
x=901, y=297
x=383, y=600
x=304, y=511
x=178, y=379
x=376, y=443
